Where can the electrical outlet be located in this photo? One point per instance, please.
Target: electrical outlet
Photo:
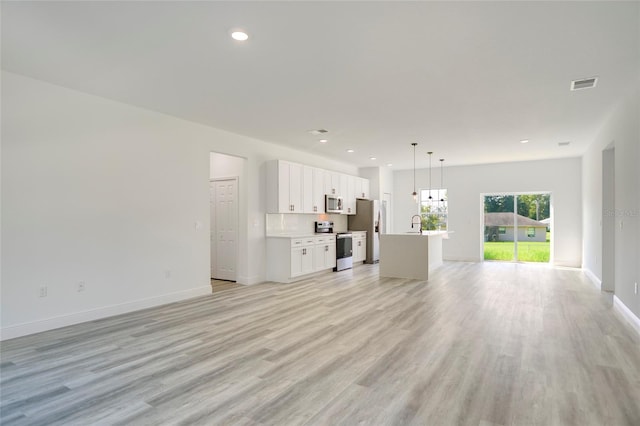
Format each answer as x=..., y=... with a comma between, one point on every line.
x=81, y=286
x=42, y=291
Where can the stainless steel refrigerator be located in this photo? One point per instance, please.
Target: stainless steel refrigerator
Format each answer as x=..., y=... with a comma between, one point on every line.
x=369, y=218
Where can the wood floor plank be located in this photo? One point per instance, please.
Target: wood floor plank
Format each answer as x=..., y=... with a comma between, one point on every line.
x=478, y=344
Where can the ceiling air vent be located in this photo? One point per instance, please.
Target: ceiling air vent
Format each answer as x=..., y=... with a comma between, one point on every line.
x=585, y=83
x=563, y=143
x=318, y=132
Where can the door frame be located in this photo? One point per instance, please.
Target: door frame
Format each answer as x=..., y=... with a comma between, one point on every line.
x=212, y=225
x=515, y=211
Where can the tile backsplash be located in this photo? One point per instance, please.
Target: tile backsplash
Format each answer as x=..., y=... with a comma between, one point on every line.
x=279, y=224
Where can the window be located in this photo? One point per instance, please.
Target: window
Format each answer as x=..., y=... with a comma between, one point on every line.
x=531, y=232
x=434, y=211
x=502, y=230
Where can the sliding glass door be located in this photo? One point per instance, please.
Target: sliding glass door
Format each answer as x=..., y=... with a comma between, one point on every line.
x=498, y=227
x=516, y=227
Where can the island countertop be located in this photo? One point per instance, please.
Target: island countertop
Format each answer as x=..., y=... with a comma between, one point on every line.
x=424, y=233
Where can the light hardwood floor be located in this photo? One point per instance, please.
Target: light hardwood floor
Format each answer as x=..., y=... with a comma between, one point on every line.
x=478, y=344
x=222, y=285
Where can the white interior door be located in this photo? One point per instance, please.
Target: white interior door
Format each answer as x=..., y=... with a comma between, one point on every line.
x=224, y=228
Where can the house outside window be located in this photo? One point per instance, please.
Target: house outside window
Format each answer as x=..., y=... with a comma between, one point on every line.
x=502, y=230
x=531, y=232
x=434, y=211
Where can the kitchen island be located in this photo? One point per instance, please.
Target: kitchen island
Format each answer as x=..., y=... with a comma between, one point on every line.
x=411, y=255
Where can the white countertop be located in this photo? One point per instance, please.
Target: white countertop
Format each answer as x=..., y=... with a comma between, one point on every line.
x=424, y=233
x=309, y=234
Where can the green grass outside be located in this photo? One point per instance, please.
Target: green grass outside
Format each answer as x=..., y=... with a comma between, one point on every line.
x=527, y=252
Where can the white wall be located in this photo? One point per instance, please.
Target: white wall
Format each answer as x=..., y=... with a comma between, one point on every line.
x=224, y=166
x=106, y=193
x=373, y=174
x=621, y=130
x=380, y=183
x=465, y=184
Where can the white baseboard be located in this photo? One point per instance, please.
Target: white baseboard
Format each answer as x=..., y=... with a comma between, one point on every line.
x=24, y=329
x=626, y=313
x=569, y=263
x=461, y=259
x=594, y=279
x=255, y=279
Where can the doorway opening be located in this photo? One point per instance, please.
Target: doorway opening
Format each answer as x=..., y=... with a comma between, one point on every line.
x=517, y=227
x=224, y=175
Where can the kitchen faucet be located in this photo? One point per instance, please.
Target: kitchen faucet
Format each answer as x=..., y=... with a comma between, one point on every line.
x=419, y=222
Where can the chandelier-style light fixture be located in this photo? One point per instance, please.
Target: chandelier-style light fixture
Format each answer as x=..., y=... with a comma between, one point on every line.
x=415, y=194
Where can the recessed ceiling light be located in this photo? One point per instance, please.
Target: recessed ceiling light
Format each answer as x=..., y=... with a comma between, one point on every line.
x=323, y=141
x=389, y=164
x=350, y=151
x=372, y=158
x=524, y=141
x=239, y=35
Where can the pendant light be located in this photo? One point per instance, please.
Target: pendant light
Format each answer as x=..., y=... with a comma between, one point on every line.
x=441, y=179
x=430, y=154
x=415, y=194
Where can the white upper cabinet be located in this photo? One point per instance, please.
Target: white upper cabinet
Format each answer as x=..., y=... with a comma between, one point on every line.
x=350, y=197
x=365, y=188
x=318, y=178
x=335, y=184
x=296, y=188
x=342, y=184
x=362, y=188
x=284, y=187
x=307, y=189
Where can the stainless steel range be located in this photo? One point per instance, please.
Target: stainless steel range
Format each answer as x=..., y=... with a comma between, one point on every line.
x=344, y=251
x=344, y=245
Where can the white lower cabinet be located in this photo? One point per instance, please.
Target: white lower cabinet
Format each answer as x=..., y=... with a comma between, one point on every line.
x=301, y=256
x=324, y=253
x=301, y=260
x=289, y=259
x=359, y=242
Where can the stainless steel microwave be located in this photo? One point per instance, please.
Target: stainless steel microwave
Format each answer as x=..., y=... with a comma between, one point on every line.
x=333, y=204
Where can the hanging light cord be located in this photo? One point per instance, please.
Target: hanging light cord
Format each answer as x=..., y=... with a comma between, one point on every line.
x=430, y=154
x=441, y=179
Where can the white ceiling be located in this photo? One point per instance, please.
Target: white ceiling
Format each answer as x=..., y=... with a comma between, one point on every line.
x=465, y=80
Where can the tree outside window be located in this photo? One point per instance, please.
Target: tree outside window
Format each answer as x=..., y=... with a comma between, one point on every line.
x=434, y=211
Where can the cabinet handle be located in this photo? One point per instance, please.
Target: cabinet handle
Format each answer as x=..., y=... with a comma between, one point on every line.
x=326, y=248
